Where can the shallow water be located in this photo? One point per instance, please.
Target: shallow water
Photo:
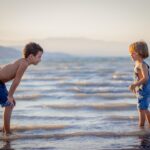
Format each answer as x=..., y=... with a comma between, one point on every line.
x=83, y=103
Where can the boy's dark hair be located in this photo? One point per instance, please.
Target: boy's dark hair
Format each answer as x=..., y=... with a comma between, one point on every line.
x=31, y=48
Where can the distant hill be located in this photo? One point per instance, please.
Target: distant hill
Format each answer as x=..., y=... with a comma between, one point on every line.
x=79, y=46
x=7, y=52
x=85, y=46
x=57, y=56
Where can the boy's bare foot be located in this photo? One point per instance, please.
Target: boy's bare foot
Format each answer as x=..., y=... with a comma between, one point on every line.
x=141, y=126
x=2, y=130
x=7, y=133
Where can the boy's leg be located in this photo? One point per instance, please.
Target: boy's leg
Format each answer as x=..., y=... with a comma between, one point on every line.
x=147, y=113
x=6, y=118
x=141, y=118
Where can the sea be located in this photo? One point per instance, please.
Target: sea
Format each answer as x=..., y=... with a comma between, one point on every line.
x=76, y=103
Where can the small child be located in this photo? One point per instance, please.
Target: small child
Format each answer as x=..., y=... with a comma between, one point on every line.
x=14, y=71
x=141, y=86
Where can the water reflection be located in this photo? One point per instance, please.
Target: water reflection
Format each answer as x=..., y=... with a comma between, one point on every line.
x=144, y=142
x=6, y=145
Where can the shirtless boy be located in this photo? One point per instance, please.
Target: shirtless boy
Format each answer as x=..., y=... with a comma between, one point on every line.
x=32, y=54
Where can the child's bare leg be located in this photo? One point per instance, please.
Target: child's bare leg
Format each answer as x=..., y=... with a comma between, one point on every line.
x=2, y=130
x=147, y=113
x=141, y=118
x=6, y=118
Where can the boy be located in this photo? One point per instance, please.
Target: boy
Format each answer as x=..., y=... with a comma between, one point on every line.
x=14, y=71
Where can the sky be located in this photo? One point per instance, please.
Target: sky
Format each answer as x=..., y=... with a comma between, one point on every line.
x=121, y=21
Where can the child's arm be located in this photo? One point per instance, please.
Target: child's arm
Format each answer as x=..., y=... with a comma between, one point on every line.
x=144, y=73
x=20, y=71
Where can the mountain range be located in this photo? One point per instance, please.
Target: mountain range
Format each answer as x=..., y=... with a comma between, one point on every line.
x=78, y=46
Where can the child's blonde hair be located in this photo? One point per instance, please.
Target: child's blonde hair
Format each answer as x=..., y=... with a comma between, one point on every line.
x=141, y=48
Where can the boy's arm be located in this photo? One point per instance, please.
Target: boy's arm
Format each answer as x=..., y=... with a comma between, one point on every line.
x=20, y=71
x=144, y=71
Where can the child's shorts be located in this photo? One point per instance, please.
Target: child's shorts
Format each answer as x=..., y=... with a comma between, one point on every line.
x=142, y=104
x=3, y=95
x=143, y=101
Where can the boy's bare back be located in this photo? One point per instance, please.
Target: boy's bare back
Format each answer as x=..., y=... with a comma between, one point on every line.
x=8, y=72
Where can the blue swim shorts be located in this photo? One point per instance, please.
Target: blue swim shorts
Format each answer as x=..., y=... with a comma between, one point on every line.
x=3, y=95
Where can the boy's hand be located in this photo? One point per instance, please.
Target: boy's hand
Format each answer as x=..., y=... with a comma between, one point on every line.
x=132, y=88
x=11, y=100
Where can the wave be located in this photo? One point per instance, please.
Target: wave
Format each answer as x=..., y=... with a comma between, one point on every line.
x=70, y=90
x=63, y=118
x=76, y=95
x=40, y=127
x=76, y=134
x=29, y=97
x=38, y=78
x=96, y=90
x=110, y=96
x=122, y=76
x=122, y=118
x=84, y=83
x=109, y=106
